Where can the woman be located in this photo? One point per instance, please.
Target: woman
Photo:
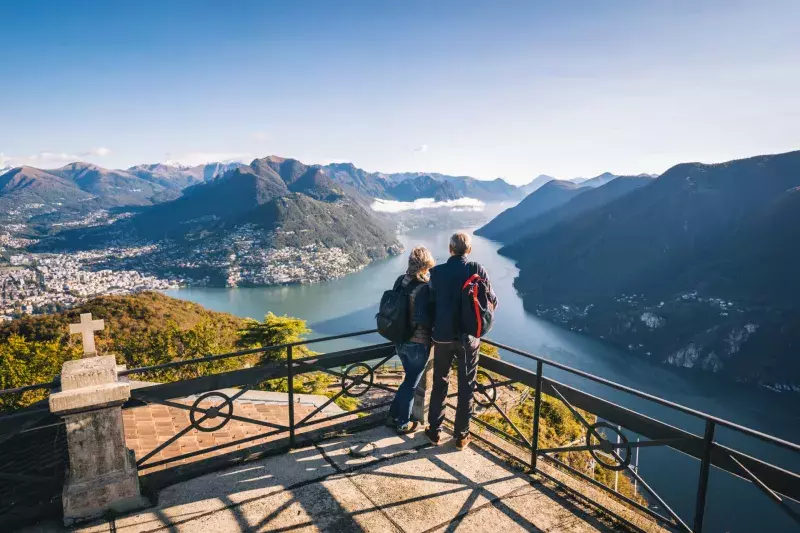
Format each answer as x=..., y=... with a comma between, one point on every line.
x=414, y=352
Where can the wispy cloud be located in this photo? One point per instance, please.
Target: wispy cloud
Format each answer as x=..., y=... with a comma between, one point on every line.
x=261, y=135
x=421, y=148
x=461, y=204
x=62, y=157
x=100, y=151
x=200, y=158
x=49, y=159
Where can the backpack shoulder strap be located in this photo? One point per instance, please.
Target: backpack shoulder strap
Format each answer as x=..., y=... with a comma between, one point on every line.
x=473, y=274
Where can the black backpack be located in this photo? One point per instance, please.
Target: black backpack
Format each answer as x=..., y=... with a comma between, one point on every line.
x=393, y=313
x=477, y=307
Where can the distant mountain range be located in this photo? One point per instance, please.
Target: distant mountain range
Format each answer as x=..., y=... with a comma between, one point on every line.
x=695, y=268
x=514, y=219
x=421, y=185
x=174, y=176
x=274, y=202
x=553, y=209
x=412, y=189
x=536, y=183
x=83, y=187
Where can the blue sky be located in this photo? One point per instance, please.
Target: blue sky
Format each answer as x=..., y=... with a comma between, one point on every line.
x=488, y=89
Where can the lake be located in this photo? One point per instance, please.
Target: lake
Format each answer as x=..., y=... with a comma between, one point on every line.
x=349, y=304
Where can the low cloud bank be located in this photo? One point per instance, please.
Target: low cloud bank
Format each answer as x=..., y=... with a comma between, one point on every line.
x=393, y=206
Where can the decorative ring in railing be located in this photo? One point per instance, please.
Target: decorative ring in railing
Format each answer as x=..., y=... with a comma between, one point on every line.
x=485, y=393
x=211, y=413
x=357, y=379
x=606, y=447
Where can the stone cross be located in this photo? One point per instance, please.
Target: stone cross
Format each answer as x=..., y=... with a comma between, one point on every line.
x=86, y=328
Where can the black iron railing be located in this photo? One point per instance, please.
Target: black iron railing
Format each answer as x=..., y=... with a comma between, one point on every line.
x=355, y=369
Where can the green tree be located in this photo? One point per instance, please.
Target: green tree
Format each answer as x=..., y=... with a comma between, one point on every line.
x=277, y=330
x=274, y=331
x=25, y=363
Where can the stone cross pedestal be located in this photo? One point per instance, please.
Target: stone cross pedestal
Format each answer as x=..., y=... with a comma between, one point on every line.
x=102, y=474
x=422, y=396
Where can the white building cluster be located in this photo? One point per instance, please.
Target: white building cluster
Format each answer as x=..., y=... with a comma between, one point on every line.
x=46, y=282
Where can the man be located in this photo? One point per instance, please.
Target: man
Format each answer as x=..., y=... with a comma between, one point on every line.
x=449, y=343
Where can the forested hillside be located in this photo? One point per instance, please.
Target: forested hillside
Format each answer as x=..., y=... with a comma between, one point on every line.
x=143, y=330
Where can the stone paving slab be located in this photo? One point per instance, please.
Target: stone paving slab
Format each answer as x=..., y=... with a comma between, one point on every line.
x=433, y=486
x=369, y=446
x=526, y=509
x=402, y=485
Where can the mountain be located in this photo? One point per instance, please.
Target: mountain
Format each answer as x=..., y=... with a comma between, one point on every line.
x=27, y=185
x=698, y=268
x=372, y=184
x=496, y=190
x=582, y=203
x=75, y=189
x=225, y=199
x=536, y=183
x=113, y=188
x=309, y=180
x=549, y=196
x=596, y=181
x=227, y=229
x=423, y=187
x=380, y=185
x=174, y=176
x=604, y=178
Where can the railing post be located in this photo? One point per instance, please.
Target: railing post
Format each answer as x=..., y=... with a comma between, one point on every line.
x=290, y=379
x=537, y=404
x=702, y=487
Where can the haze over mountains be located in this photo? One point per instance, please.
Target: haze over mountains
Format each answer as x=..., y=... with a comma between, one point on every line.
x=697, y=267
x=388, y=186
x=554, y=202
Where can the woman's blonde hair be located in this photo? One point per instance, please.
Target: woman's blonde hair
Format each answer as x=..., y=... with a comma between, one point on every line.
x=420, y=260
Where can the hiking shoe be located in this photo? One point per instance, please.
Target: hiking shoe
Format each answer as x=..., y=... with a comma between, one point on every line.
x=462, y=442
x=433, y=436
x=405, y=429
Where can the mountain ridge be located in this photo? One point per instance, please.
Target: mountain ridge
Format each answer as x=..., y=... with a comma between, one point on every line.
x=695, y=269
x=549, y=196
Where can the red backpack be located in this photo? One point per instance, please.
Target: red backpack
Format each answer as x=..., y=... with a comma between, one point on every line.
x=477, y=305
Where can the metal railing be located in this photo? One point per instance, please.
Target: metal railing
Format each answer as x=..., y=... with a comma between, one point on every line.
x=212, y=409
x=775, y=482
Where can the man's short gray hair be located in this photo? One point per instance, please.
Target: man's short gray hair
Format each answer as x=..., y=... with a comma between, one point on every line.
x=460, y=243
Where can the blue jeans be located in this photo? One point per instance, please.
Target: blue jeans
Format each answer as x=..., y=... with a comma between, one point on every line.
x=413, y=356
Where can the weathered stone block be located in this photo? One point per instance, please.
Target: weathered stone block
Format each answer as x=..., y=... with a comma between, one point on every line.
x=116, y=491
x=87, y=372
x=96, y=443
x=89, y=398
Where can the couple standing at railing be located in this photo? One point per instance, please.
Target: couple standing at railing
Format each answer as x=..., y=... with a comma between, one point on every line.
x=450, y=305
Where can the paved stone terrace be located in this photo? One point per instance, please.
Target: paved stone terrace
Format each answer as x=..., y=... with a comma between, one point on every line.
x=149, y=426
x=372, y=481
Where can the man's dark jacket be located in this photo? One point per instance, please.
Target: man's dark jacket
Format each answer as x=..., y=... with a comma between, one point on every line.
x=445, y=292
